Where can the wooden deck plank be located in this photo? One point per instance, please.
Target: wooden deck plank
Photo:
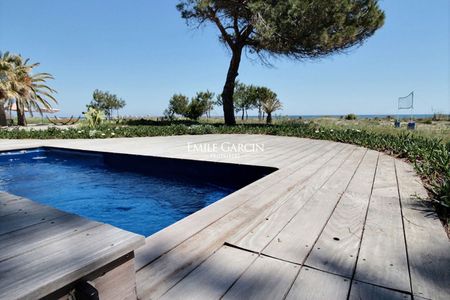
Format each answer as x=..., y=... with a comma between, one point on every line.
x=31, y=215
x=185, y=150
x=159, y=276
x=267, y=278
x=337, y=247
x=29, y=238
x=313, y=284
x=15, y=205
x=7, y=198
x=277, y=158
x=163, y=241
x=297, y=238
x=260, y=236
x=271, y=155
x=48, y=268
x=360, y=290
x=213, y=277
x=427, y=244
x=295, y=187
x=116, y=284
x=382, y=258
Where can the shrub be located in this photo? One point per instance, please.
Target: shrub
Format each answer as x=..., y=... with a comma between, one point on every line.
x=195, y=109
x=351, y=117
x=177, y=105
x=94, y=117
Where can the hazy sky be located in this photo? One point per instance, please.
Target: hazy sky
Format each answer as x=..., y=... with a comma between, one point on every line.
x=142, y=51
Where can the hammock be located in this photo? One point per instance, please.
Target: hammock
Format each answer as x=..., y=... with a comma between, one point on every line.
x=63, y=121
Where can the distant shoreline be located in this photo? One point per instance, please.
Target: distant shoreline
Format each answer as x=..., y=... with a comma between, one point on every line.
x=383, y=116
x=380, y=116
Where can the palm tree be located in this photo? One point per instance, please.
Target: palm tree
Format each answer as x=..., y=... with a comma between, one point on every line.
x=4, y=89
x=270, y=105
x=8, y=82
x=32, y=92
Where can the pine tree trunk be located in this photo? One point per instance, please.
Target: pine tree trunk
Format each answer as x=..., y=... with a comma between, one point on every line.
x=3, y=121
x=228, y=89
x=21, y=120
x=243, y=112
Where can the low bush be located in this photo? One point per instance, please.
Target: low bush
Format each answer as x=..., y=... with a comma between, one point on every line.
x=351, y=117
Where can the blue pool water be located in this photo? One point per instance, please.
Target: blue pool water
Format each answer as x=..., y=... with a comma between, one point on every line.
x=82, y=183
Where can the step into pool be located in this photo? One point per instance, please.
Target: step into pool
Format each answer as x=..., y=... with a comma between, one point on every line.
x=141, y=194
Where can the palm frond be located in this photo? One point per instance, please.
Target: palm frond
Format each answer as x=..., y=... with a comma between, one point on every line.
x=29, y=91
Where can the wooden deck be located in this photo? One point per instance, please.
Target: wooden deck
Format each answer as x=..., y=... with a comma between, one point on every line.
x=47, y=251
x=335, y=221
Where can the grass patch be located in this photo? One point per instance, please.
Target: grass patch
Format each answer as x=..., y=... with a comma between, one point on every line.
x=430, y=156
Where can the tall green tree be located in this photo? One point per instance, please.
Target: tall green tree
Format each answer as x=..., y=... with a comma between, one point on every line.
x=8, y=81
x=201, y=103
x=28, y=91
x=34, y=96
x=196, y=108
x=298, y=29
x=106, y=102
x=245, y=98
x=207, y=100
x=177, y=106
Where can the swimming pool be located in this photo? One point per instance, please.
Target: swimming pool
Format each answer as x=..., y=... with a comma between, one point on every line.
x=140, y=194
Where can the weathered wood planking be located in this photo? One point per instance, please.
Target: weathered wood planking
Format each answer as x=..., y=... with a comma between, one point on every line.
x=175, y=252
x=276, y=158
x=26, y=239
x=360, y=290
x=198, y=147
x=272, y=157
x=170, y=237
x=117, y=284
x=427, y=244
x=28, y=216
x=218, y=239
x=46, y=269
x=314, y=284
x=266, y=278
x=214, y=276
x=382, y=258
x=301, y=181
x=6, y=198
x=12, y=145
x=43, y=249
x=261, y=235
x=337, y=248
x=310, y=220
x=11, y=205
x=156, y=278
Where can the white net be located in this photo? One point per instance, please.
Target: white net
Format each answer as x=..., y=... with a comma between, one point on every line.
x=406, y=102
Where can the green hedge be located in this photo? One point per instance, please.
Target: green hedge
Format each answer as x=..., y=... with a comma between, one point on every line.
x=431, y=157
